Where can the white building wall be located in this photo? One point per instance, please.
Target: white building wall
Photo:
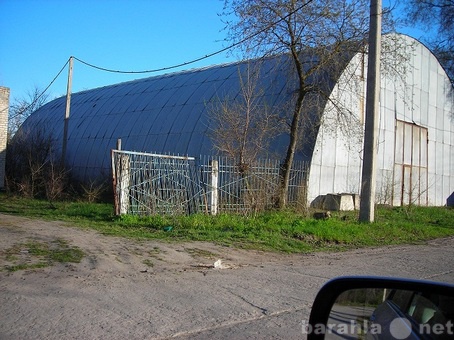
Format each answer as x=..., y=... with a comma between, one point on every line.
x=421, y=99
x=337, y=155
x=4, y=109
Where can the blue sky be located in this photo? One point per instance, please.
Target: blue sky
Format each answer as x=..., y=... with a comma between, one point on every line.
x=38, y=37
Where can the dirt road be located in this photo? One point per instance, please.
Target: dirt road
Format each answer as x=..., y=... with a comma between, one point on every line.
x=125, y=289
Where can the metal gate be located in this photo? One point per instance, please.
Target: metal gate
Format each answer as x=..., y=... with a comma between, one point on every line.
x=147, y=184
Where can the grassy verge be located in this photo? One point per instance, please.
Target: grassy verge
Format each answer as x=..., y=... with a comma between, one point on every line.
x=276, y=231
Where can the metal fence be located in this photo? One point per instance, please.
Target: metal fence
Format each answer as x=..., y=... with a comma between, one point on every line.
x=148, y=184
x=253, y=187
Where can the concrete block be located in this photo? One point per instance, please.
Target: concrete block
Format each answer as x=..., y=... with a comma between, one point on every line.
x=318, y=202
x=339, y=202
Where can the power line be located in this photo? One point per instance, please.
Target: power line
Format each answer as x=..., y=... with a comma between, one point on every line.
x=168, y=67
x=200, y=58
x=41, y=94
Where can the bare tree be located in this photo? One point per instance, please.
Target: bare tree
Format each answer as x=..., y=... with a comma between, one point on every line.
x=243, y=127
x=436, y=16
x=32, y=168
x=27, y=156
x=316, y=34
x=21, y=108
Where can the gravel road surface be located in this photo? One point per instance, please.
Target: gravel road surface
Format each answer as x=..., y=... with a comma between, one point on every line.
x=126, y=289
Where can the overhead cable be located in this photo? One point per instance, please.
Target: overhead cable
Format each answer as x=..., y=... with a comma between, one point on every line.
x=42, y=92
x=168, y=67
x=200, y=58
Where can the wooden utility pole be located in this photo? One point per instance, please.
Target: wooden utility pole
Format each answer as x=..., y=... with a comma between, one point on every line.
x=368, y=181
x=67, y=112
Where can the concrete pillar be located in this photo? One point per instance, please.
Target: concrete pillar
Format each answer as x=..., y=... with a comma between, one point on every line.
x=4, y=109
x=369, y=172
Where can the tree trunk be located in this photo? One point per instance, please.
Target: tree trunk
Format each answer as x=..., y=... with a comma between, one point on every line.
x=294, y=127
x=288, y=162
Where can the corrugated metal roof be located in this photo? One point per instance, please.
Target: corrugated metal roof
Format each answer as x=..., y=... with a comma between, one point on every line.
x=165, y=114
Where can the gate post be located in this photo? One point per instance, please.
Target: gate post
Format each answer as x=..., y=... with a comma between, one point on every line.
x=214, y=187
x=123, y=182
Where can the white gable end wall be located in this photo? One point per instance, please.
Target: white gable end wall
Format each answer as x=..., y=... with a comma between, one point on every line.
x=416, y=133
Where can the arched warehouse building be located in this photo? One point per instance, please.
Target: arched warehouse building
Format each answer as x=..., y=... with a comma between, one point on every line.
x=169, y=114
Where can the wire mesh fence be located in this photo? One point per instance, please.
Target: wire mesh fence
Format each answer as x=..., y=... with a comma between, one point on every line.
x=148, y=184
x=253, y=187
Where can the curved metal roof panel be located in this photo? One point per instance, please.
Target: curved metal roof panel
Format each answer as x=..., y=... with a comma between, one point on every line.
x=165, y=114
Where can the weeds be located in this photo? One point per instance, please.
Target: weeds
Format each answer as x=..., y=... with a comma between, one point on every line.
x=148, y=263
x=276, y=231
x=196, y=252
x=34, y=254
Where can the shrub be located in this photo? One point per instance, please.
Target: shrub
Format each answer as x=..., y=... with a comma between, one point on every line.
x=32, y=166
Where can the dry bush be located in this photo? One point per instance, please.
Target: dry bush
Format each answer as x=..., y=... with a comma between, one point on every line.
x=93, y=190
x=32, y=166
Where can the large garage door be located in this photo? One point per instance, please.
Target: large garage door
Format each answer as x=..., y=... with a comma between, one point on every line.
x=410, y=165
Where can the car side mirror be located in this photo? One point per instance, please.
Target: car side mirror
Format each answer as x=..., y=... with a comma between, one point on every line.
x=382, y=308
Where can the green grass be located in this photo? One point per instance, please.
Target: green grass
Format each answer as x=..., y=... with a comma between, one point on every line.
x=274, y=231
x=148, y=263
x=34, y=254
